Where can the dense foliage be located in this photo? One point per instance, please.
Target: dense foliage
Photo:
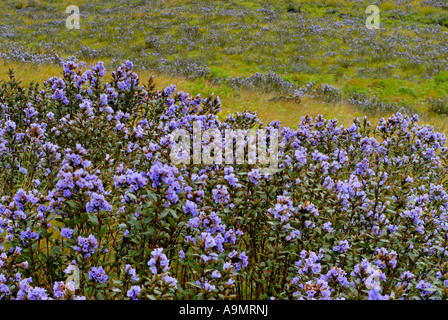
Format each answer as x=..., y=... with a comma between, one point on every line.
x=246, y=43
x=87, y=184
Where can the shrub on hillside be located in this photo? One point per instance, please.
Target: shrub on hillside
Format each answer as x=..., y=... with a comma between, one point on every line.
x=438, y=105
x=92, y=207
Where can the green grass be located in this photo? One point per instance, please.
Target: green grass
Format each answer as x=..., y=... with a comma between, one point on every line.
x=288, y=112
x=38, y=25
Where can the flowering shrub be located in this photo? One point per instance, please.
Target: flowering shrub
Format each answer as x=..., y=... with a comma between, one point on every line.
x=374, y=105
x=92, y=207
x=274, y=47
x=438, y=106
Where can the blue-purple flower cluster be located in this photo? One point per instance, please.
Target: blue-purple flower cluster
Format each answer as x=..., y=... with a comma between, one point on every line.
x=92, y=206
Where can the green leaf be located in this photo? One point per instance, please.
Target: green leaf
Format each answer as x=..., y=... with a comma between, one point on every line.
x=55, y=251
x=93, y=219
x=59, y=219
x=151, y=195
x=164, y=213
x=132, y=196
x=171, y=222
x=150, y=232
x=103, y=231
x=72, y=204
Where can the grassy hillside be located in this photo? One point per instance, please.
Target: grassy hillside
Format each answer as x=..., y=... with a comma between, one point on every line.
x=218, y=46
x=100, y=198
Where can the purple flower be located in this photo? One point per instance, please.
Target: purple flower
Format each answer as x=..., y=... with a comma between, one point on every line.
x=67, y=233
x=423, y=286
x=191, y=207
x=182, y=254
x=130, y=272
x=374, y=294
x=220, y=194
x=342, y=247
x=99, y=69
x=98, y=275
x=254, y=175
x=97, y=202
x=28, y=234
x=37, y=294
x=170, y=281
x=59, y=289
x=194, y=222
x=159, y=262
x=133, y=292
x=86, y=245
